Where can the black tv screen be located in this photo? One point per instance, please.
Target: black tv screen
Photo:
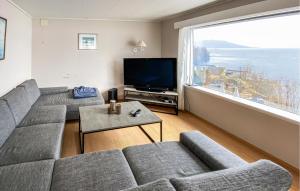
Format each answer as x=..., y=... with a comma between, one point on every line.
x=150, y=72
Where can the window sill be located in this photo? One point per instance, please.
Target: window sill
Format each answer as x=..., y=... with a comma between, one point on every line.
x=287, y=116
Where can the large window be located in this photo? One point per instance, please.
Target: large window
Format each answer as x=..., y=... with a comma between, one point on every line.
x=258, y=60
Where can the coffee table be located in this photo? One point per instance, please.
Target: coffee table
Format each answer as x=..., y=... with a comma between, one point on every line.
x=96, y=119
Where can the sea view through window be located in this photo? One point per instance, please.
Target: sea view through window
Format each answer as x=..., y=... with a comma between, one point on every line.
x=258, y=60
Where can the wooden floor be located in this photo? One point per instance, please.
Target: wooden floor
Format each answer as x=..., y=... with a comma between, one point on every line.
x=172, y=126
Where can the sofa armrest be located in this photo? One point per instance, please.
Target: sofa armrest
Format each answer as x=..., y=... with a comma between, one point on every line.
x=213, y=154
x=262, y=175
x=53, y=90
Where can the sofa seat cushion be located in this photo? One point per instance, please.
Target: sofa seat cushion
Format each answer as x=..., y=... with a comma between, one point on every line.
x=32, y=176
x=7, y=122
x=158, y=185
x=45, y=114
x=32, y=143
x=32, y=90
x=262, y=175
x=68, y=100
x=162, y=160
x=107, y=170
x=18, y=103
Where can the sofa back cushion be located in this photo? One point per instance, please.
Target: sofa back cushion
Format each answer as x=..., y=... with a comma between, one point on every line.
x=18, y=103
x=259, y=176
x=210, y=152
x=7, y=122
x=32, y=90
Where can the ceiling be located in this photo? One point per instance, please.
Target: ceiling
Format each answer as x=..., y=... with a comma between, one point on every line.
x=108, y=9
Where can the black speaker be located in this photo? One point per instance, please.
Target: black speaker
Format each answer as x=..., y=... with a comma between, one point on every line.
x=113, y=94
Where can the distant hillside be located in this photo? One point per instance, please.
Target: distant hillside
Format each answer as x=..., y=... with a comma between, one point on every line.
x=220, y=44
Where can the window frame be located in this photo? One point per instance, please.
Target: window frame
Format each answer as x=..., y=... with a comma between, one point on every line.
x=279, y=113
x=267, y=14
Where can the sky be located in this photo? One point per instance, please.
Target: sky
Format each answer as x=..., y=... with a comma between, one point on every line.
x=273, y=32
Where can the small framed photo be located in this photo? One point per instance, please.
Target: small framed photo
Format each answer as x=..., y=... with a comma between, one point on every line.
x=87, y=41
x=3, y=23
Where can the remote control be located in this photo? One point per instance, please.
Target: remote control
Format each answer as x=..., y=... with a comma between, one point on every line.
x=135, y=113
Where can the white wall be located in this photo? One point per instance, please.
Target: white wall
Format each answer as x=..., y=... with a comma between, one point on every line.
x=269, y=133
x=57, y=60
x=16, y=67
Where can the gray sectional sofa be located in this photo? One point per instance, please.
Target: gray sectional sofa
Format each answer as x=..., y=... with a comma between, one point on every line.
x=195, y=163
x=30, y=143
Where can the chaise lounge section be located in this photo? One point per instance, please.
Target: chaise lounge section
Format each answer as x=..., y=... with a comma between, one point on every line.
x=193, y=154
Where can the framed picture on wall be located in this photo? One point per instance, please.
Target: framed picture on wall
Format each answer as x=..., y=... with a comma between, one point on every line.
x=3, y=23
x=87, y=41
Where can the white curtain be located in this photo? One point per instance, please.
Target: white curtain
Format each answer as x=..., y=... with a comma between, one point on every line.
x=185, y=62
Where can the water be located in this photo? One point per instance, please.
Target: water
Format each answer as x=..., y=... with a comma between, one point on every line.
x=275, y=64
x=280, y=66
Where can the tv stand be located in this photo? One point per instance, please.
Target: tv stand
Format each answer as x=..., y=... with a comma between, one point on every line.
x=148, y=89
x=163, y=98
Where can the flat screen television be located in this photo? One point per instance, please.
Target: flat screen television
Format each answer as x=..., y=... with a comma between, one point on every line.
x=151, y=74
